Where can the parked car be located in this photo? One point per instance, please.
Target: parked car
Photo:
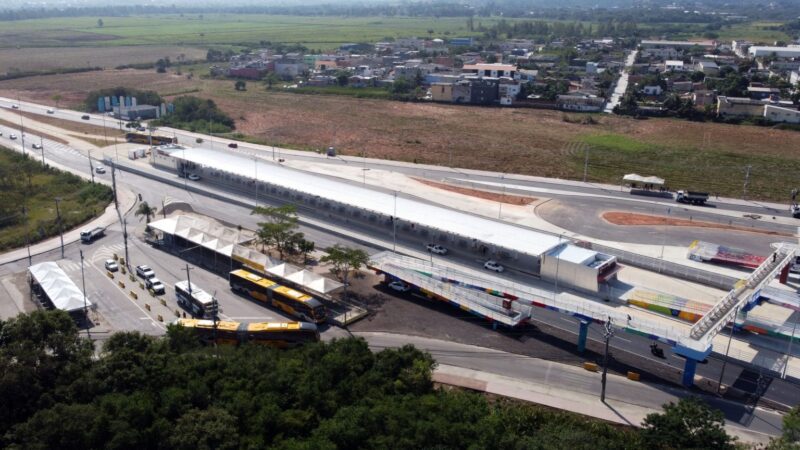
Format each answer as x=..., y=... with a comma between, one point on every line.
x=493, y=265
x=233, y=145
x=51, y=111
x=100, y=169
x=155, y=284
x=12, y=136
x=193, y=177
x=111, y=265
x=141, y=129
x=435, y=248
x=145, y=272
x=15, y=106
x=1, y=133
x=85, y=117
x=37, y=146
x=399, y=286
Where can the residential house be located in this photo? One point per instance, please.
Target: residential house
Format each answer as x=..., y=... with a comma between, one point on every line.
x=508, y=89
x=462, y=91
x=442, y=92
x=683, y=45
x=740, y=48
x=709, y=68
x=792, y=51
x=760, y=93
x=591, y=68
x=682, y=86
x=654, y=90
x=527, y=75
x=660, y=53
x=703, y=98
x=739, y=107
x=494, y=70
x=483, y=91
x=461, y=42
x=580, y=102
x=290, y=68
x=780, y=114
x=673, y=65
x=323, y=65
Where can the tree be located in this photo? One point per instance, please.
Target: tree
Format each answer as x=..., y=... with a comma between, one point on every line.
x=271, y=79
x=790, y=438
x=344, y=260
x=240, y=85
x=57, y=98
x=99, y=23
x=305, y=246
x=342, y=77
x=145, y=210
x=279, y=229
x=688, y=424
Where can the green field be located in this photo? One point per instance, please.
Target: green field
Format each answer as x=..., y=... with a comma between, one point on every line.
x=223, y=29
x=24, y=182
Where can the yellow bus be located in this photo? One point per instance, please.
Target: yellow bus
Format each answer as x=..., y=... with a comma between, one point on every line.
x=272, y=334
x=290, y=301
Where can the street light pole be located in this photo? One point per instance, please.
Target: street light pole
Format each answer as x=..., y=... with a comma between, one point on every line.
x=125, y=240
x=394, y=224
x=60, y=228
x=91, y=169
x=608, y=333
x=41, y=144
x=255, y=167
x=85, y=307
x=502, y=181
x=27, y=234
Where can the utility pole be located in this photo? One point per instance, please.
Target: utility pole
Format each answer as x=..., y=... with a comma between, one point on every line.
x=394, y=224
x=91, y=169
x=27, y=234
x=41, y=144
x=746, y=181
x=725, y=361
x=586, y=163
x=114, y=183
x=608, y=333
x=125, y=239
x=163, y=210
x=85, y=306
x=60, y=228
x=188, y=278
x=21, y=127
x=255, y=166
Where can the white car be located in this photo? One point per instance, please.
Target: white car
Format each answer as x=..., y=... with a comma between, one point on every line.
x=193, y=177
x=37, y=146
x=145, y=272
x=111, y=265
x=15, y=106
x=493, y=265
x=399, y=286
x=435, y=248
x=51, y=111
x=155, y=284
x=12, y=136
x=100, y=169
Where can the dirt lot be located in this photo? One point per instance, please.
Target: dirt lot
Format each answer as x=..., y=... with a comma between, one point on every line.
x=625, y=218
x=486, y=195
x=703, y=156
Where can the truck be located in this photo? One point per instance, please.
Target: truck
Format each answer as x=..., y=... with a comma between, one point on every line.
x=88, y=236
x=693, y=197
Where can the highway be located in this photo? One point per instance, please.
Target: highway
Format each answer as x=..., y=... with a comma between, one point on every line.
x=154, y=192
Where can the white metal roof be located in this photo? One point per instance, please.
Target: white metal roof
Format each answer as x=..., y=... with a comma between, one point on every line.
x=574, y=254
x=59, y=288
x=488, y=231
x=640, y=179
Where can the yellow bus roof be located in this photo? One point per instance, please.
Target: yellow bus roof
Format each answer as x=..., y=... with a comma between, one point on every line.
x=291, y=293
x=266, y=282
x=274, y=326
x=208, y=324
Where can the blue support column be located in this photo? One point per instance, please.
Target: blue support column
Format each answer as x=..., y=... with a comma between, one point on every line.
x=494, y=325
x=688, y=372
x=584, y=331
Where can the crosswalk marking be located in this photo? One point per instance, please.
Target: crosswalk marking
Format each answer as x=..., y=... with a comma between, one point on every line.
x=107, y=252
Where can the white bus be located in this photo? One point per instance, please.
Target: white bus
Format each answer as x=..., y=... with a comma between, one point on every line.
x=195, y=300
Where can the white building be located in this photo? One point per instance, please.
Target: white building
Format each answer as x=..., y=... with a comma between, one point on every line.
x=781, y=114
x=495, y=70
x=673, y=65
x=792, y=51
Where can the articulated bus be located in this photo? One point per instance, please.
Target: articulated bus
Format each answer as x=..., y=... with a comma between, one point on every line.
x=272, y=334
x=140, y=138
x=197, y=301
x=290, y=301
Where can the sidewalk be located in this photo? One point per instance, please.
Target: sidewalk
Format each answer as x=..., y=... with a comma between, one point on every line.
x=127, y=200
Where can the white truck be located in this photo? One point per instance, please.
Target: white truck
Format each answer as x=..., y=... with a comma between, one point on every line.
x=88, y=236
x=693, y=197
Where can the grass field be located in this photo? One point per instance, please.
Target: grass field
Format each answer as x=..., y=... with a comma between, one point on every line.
x=52, y=58
x=24, y=182
x=221, y=29
x=690, y=155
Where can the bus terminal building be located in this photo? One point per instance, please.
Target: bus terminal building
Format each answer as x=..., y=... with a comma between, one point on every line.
x=387, y=214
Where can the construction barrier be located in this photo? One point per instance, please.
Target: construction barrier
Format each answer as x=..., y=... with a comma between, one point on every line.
x=121, y=284
x=141, y=285
x=152, y=293
x=590, y=366
x=633, y=376
x=110, y=275
x=163, y=302
x=134, y=295
x=132, y=277
x=160, y=319
x=147, y=306
x=122, y=261
x=122, y=269
x=116, y=258
x=177, y=313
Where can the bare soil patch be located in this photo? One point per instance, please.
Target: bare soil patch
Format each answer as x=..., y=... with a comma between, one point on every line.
x=51, y=58
x=68, y=125
x=510, y=199
x=628, y=219
x=38, y=133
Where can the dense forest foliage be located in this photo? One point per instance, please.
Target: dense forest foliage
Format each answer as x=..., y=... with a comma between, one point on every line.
x=146, y=392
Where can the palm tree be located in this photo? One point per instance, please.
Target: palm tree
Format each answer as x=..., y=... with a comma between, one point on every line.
x=146, y=211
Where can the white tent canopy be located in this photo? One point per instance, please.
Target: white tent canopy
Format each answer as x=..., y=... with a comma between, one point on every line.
x=636, y=178
x=58, y=287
